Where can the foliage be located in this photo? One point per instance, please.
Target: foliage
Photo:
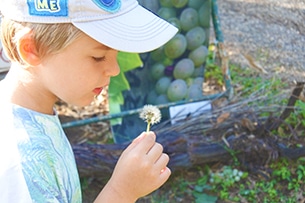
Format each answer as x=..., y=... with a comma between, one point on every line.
x=297, y=119
x=247, y=81
x=213, y=71
x=287, y=180
x=119, y=83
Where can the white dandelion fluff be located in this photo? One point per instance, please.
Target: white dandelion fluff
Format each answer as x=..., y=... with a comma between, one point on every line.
x=150, y=114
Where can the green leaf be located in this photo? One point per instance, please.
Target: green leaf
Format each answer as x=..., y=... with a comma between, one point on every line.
x=119, y=83
x=115, y=108
x=205, y=198
x=129, y=61
x=116, y=101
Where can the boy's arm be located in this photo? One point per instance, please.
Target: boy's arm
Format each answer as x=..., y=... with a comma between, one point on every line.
x=140, y=170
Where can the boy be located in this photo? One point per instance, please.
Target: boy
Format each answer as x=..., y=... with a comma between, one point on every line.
x=66, y=49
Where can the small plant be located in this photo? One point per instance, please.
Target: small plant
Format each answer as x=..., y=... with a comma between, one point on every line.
x=227, y=177
x=223, y=180
x=200, y=189
x=151, y=115
x=284, y=185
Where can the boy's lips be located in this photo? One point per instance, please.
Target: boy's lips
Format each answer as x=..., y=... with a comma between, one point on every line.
x=98, y=90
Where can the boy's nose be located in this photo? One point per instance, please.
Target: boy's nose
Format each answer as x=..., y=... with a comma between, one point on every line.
x=113, y=68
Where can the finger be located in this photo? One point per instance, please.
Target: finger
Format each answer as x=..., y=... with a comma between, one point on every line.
x=136, y=141
x=146, y=143
x=164, y=175
x=155, y=152
x=162, y=162
x=166, y=170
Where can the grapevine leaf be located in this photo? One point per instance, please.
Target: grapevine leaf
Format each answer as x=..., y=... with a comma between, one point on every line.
x=119, y=83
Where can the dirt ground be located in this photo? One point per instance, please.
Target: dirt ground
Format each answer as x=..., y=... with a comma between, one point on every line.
x=272, y=32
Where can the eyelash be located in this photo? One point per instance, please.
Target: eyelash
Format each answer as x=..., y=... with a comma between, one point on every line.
x=99, y=59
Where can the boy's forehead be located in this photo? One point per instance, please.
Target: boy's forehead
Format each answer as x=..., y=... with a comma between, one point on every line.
x=92, y=43
x=102, y=46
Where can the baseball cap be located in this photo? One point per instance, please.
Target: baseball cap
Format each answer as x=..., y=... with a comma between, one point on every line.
x=123, y=25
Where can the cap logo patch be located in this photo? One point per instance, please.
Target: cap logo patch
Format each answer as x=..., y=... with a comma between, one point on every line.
x=110, y=6
x=48, y=7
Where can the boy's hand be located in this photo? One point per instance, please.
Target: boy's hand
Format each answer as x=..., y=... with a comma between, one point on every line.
x=140, y=170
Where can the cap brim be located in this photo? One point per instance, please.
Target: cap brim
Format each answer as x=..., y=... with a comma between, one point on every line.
x=137, y=31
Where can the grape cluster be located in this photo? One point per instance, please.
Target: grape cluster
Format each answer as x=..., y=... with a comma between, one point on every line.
x=177, y=68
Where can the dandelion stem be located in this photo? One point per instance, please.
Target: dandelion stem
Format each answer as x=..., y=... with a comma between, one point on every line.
x=148, y=127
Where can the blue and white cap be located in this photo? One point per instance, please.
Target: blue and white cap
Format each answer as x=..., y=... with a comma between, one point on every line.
x=120, y=24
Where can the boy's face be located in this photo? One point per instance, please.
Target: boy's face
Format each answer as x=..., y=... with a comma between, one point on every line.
x=79, y=72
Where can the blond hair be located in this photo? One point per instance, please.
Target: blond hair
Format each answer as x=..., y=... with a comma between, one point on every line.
x=48, y=38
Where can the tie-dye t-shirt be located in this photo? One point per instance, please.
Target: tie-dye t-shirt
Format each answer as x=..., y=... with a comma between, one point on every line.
x=36, y=160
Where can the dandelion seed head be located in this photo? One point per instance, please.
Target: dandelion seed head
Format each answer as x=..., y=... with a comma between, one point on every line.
x=150, y=114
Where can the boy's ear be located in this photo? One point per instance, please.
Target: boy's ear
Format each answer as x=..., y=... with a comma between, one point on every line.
x=27, y=50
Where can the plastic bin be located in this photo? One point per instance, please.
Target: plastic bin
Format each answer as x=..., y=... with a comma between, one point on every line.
x=174, y=73
x=198, y=16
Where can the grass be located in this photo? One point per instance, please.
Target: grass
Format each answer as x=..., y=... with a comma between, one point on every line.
x=229, y=184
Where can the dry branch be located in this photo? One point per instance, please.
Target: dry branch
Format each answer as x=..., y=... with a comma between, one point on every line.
x=207, y=138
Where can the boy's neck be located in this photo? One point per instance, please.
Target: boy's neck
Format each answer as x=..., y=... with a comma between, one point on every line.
x=19, y=87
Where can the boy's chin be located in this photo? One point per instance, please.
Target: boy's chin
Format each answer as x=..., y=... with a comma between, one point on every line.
x=82, y=103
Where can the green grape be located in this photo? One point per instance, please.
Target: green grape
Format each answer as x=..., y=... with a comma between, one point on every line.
x=161, y=99
x=199, y=55
x=158, y=54
x=166, y=3
x=195, y=37
x=166, y=13
x=167, y=61
x=175, y=22
x=194, y=3
x=199, y=71
x=175, y=47
x=204, y=13
x=151, y=97
x=194, y=92
x=189, y=19
x=162, y=85
x=177, y=90
x=157, y=70
x=184, y=68
x=198, y=81
x=189, y=81
x=179, y=3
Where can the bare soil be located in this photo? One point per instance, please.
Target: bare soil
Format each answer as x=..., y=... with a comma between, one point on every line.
x=272, y=32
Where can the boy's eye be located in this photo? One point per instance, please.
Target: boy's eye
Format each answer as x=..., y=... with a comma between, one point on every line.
x=99, y=59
